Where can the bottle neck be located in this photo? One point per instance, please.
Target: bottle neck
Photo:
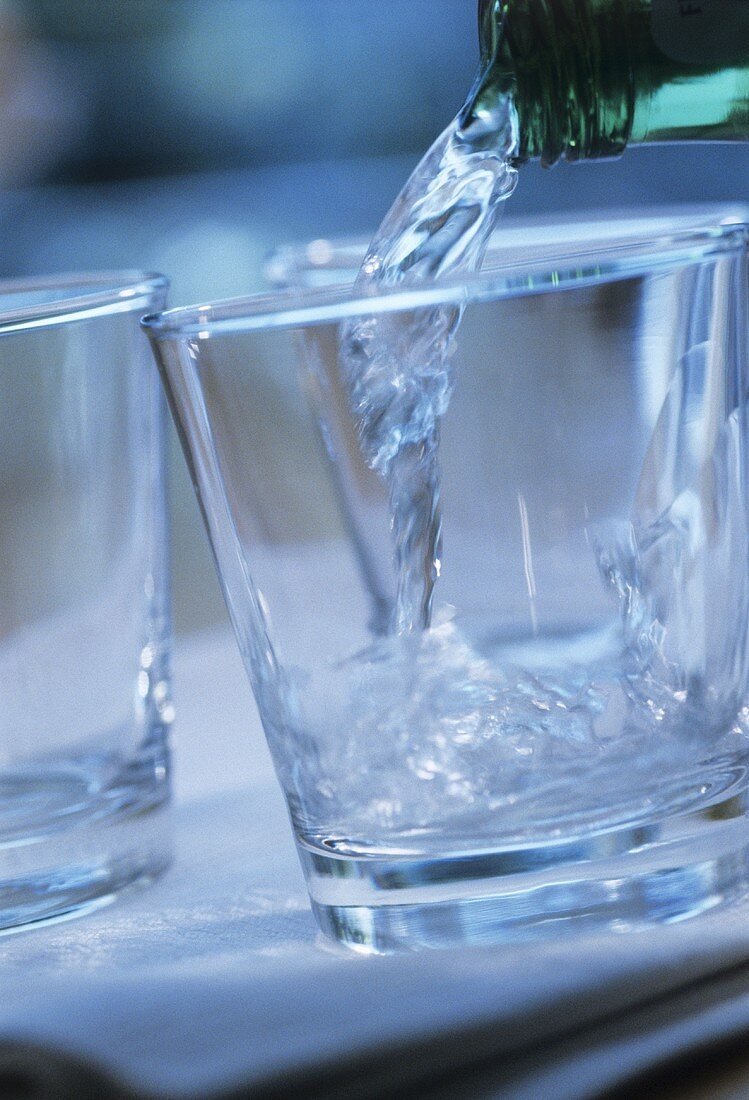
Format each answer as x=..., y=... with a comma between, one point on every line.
x=589, y=77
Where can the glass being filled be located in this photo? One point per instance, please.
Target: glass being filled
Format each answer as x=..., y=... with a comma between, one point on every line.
x=565, y=742
x=563, y=684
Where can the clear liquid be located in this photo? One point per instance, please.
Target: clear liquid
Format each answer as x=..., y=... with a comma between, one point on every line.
x=434, y=734
x=398, y=367
x=444, y=738
x=452, y=735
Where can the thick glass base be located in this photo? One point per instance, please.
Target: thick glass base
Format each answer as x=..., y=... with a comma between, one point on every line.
x=655, y=870
x=81, y=851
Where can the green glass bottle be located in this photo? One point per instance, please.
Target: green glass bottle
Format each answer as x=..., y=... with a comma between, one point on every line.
x=589, y=77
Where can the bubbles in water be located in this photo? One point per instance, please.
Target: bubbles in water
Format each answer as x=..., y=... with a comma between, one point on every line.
x=431, y=732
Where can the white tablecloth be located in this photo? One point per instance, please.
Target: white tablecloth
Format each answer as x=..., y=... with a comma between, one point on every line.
x=215, y=978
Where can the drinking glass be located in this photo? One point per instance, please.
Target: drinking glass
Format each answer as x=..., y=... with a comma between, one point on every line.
x=84, y=610
x=566, y=744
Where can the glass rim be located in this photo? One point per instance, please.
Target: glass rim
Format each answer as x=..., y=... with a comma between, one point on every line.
x=75, y=296
x=292, y=259
x=295, y=308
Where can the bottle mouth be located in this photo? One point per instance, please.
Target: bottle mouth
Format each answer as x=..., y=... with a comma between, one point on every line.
x=568, y=104
x=488, y=121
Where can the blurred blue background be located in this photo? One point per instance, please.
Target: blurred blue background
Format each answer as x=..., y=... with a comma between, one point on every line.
x=192, y=136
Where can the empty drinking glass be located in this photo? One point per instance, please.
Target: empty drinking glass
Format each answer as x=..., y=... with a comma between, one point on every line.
x=84, y=613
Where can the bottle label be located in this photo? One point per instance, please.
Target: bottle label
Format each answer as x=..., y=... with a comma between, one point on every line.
x=702, y=32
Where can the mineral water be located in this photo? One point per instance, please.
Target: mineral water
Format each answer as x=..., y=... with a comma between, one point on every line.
x=432, y=735
x=398, y=368
x=432, y=740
